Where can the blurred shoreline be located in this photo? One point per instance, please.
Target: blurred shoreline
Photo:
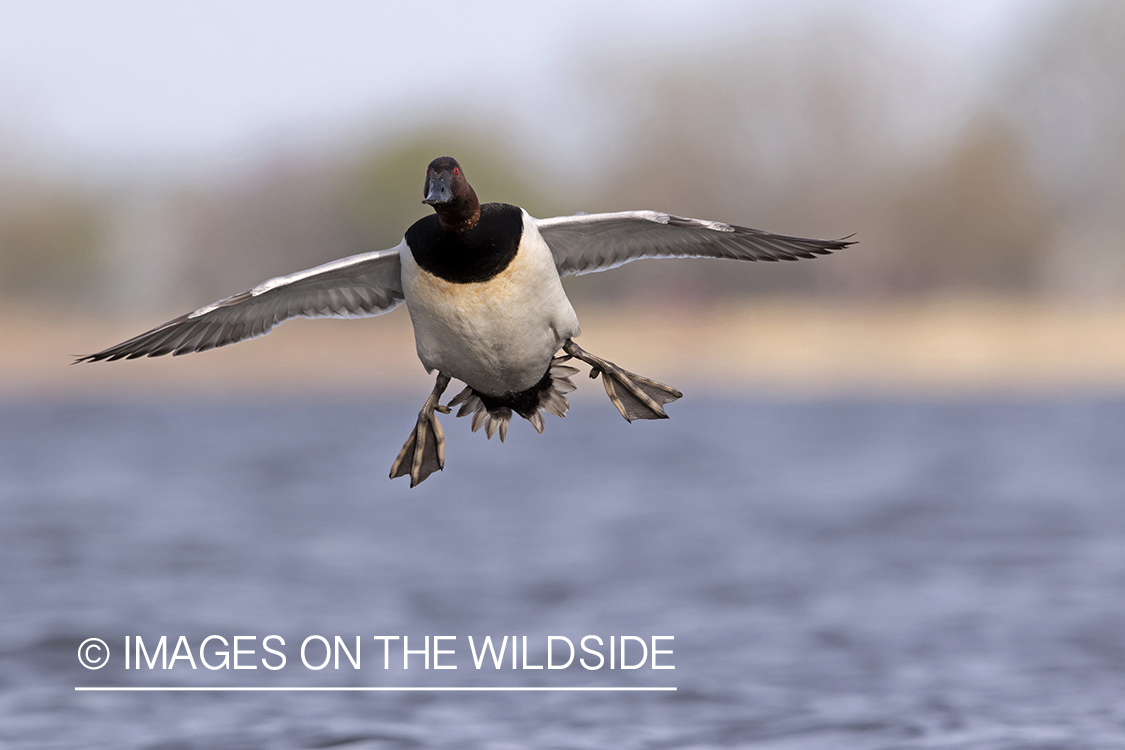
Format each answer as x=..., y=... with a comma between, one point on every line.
x=784, y=346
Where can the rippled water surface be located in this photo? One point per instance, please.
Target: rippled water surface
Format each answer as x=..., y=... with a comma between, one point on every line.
x=852, y=574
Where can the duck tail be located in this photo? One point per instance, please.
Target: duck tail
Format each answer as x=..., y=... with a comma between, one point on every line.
x=494, y=413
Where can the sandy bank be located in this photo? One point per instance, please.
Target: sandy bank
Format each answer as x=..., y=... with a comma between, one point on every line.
x=771, y=346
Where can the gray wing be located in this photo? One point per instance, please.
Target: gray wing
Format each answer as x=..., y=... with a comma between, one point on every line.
x=355, y=287
x=597, y=242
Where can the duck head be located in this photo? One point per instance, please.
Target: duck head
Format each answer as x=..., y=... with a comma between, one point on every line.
x=451, y=195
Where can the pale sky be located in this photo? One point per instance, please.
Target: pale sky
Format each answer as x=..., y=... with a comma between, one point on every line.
x=128, y=87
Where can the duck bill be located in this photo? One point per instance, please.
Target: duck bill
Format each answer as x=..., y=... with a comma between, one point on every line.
x=440, y=191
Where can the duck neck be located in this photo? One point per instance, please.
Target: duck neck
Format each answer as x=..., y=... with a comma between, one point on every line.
x=461, y=215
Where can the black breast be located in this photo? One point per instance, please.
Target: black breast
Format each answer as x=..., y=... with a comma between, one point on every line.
x=474, y=255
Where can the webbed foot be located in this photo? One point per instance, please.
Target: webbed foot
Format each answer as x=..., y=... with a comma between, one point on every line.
x=635, y=396
x=423, y=453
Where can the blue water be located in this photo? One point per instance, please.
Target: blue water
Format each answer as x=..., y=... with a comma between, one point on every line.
x=836, y=574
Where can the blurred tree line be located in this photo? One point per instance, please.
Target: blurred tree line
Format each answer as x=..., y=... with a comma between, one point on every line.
x=1020, y=191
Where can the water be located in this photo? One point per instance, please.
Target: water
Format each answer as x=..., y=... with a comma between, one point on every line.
x=836, y=574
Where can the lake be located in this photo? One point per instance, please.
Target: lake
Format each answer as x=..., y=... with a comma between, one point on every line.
x=835, y=573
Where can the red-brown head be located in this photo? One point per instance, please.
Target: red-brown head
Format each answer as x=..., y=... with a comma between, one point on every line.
x=451, y=195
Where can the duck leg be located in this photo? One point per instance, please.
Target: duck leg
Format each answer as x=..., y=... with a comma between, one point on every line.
x=424, y=451
x=635, y=396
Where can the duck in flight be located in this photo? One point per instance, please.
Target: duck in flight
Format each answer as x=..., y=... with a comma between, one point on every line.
x=482, y=285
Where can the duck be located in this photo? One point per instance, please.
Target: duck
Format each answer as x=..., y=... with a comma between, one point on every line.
x=482, y=285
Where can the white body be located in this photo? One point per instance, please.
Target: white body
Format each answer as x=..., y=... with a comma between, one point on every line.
x=499, y=335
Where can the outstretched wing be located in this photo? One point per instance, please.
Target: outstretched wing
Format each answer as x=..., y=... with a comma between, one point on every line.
x=597, y=242
x=355, y=287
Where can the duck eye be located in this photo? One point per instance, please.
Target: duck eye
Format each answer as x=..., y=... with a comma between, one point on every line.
x=456, y=170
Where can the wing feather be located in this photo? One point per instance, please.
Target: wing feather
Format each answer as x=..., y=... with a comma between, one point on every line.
x=358, y=286
x=586, y=243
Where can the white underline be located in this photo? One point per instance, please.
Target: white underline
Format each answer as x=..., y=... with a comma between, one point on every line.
x=247, y=689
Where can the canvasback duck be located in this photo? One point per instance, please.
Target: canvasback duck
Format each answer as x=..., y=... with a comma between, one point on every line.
x=482, y=286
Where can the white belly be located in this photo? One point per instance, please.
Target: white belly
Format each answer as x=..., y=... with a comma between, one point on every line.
x=497, y=336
